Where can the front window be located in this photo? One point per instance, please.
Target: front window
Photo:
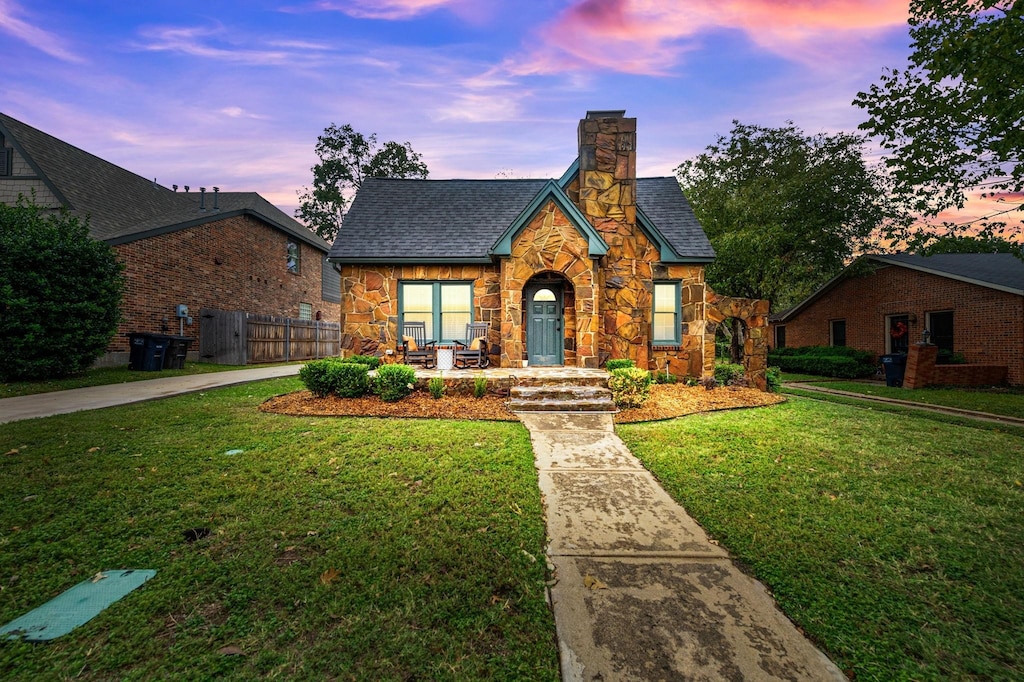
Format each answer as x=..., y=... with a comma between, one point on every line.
x=666, y=328
x=837, y=332
x=780, y=336
x=940, y=325
x=445, y=308
x=897, y=333
x=292, y=257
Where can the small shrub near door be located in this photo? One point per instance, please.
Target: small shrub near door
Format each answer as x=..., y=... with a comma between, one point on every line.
x=350, y=379
x=394, y=382
x=371, y=361
x=619, y=363
x=479, y=387
x=316, y=376
x=436, y=387
x=631, y=386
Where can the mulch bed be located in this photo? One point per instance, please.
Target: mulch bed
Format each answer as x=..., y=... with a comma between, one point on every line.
x=667, y=401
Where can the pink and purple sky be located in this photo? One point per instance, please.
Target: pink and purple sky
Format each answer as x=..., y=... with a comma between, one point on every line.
x=234, y=93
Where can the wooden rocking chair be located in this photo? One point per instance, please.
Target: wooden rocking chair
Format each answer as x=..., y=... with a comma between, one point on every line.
x=416, y=349
x=472, y=351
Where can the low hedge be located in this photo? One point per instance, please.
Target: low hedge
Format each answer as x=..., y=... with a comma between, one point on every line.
x=828, y=361
x=371, y=361
x=631, y=386
x=618, y=363
x=332, y=375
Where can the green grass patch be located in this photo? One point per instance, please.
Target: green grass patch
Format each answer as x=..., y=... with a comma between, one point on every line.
x=339, y=548
x=789, y=377
x=893, y=541
x=1008, y=402
x=108, y=375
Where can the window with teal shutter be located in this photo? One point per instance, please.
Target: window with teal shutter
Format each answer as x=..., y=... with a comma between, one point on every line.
x=444, y=307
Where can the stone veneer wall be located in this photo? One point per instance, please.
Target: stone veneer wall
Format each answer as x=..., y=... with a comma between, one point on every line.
x=754, y=314
x=369, y=302
x=550, y=244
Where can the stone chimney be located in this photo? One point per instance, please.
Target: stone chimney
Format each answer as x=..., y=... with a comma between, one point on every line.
x=608, y=168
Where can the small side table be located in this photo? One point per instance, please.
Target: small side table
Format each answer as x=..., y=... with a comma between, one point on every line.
x=445, y=357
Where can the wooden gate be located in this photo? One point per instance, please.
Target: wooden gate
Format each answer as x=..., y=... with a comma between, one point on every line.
x=239, y=338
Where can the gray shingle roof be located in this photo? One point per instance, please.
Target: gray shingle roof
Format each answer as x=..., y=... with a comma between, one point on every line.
x=123, y=206
x=662, y=200
x=452, y=220
x=1000, y=270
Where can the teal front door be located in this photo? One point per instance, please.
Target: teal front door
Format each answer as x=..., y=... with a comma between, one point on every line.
x=544, y=346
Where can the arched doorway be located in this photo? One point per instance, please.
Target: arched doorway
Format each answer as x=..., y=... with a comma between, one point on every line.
x=549, y=325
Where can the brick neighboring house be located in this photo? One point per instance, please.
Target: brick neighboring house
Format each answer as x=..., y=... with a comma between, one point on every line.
x=221, y=250
x=972, y=304
x=573, y=271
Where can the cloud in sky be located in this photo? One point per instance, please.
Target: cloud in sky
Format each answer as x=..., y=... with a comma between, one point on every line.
x=650, y=37
x=27, y=32
x=374, y=9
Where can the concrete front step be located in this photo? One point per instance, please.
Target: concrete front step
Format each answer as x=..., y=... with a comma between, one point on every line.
x=561, y=398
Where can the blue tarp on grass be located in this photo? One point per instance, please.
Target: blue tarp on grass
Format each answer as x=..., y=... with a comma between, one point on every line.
x=78, y=605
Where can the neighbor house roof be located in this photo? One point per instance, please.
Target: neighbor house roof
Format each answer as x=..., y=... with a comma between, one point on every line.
x=395, y=221
x=122, y=206
x=1001, y=271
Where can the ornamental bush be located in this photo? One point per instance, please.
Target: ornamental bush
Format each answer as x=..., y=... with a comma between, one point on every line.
x=436, y=387
x=60, y=294
x=394, y=382
x=317, y=376
x=479, y=387
x=350, y=379
x=631, y=386
x=829, y=361
x=618, y=364
x=371, y=361
x=727, y=373
x=774, y=379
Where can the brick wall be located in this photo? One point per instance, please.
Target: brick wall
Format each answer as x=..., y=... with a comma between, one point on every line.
x=236, y=263
x=988, y=325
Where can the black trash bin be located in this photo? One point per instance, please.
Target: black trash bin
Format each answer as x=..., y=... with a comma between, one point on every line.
x=147, y=352
x=177, y=349
x=894, y=364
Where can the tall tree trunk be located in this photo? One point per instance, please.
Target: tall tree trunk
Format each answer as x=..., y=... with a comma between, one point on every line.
x=736, y=345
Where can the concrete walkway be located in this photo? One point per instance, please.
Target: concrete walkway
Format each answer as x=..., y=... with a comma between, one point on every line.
x=94, y=397
x=641, y=592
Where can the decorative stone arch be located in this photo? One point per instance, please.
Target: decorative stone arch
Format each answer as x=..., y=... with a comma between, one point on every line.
x=549, y=244
x=754, y=314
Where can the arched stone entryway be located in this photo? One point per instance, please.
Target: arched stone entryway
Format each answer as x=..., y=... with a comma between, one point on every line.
x=550, y=249
x=753, y=313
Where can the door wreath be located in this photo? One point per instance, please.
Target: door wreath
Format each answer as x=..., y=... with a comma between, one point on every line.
x=898, y=330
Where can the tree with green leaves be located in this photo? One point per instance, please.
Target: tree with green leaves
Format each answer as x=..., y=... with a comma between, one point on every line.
x=346, y=157
x=783, y=210
x=60, y=293
x=952, y=122
x=935, y=244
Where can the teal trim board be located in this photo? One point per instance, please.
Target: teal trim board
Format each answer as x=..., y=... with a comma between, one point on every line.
x=76, y=606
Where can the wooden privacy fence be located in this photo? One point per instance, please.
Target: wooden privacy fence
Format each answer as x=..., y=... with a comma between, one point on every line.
x=240, y=338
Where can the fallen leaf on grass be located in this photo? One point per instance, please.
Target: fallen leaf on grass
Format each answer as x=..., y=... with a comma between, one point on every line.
x=592, y=583
x=12, y=451
x=329, y=575
x=230, y=651
x=98, y=577
x=93, y=450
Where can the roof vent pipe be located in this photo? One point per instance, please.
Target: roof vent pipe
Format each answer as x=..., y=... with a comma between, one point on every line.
x=186, y=189
x=216, y=206
x=202, y=198
x=174, y=187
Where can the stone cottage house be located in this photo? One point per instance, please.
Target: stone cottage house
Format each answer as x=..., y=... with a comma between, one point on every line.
x=220, y=250
x=972, y=305
x=597, y=264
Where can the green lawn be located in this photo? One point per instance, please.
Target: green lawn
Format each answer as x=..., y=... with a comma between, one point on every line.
x=1007, y=402
x=104, y=376
x=339, y=548
x=894, y=541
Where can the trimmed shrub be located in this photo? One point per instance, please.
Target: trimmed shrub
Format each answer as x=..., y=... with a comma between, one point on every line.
x=727, y=373
x=665, y=378
x=394, y=382
x=612, y=365
x=631, y=386
x=479, y=387
x=436, y=387
x=350, y=379
x=317, y=376
x=60, y=293
x=829, y=361
x=774, y=379
x=371, y=361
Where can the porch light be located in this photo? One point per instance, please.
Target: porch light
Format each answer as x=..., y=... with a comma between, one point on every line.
x=925, y=335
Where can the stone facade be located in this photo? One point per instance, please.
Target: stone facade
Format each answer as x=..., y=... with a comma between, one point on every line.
x=607, y=300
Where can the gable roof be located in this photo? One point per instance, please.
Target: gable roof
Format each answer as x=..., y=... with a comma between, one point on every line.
x=551, y=192
x=123, y=206
x=467, y=221
x=1000, y=271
